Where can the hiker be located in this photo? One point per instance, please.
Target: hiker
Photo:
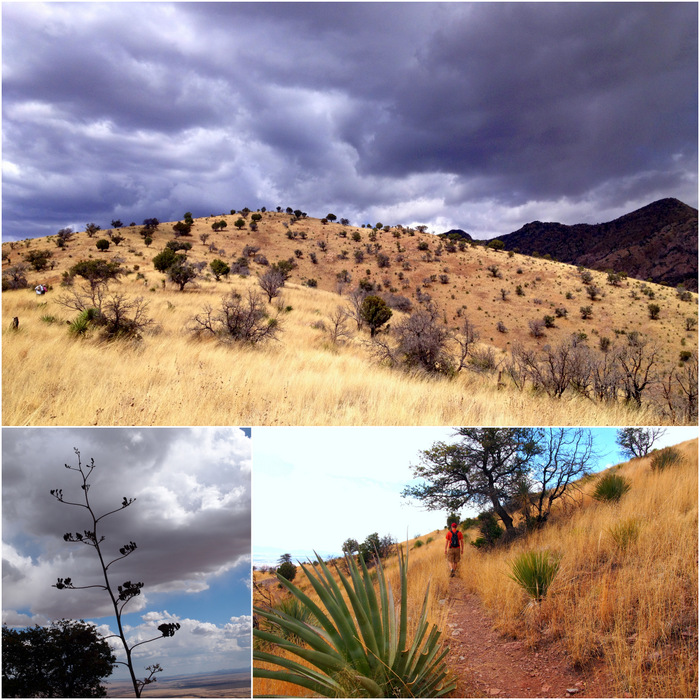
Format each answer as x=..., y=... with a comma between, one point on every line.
x=454, y=547
x=40, y=289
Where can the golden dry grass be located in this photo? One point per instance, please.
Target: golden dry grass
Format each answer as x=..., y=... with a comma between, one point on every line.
x=636, y=608
x=170, y=378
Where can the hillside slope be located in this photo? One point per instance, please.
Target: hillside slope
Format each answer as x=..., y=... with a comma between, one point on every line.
x=657, y=242
x=627, y=587
x=322, y=381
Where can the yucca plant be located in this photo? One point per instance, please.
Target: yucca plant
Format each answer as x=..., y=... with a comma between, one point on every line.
x=358, y=647
x=611, y=488
x=534, y=572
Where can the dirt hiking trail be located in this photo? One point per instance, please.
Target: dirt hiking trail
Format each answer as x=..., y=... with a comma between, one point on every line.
x=490, y=665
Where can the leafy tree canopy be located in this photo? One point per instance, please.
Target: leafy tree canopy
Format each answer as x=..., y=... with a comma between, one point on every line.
x=96, y=270
x=68, y=659
x=375, y=313
x=507, y=469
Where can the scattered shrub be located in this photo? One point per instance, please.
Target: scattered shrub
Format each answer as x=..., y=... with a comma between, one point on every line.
x=219, y=268
x=15, y=277
x=287, y=570
x=238, y=319
x=536, y=328
x=39, y=259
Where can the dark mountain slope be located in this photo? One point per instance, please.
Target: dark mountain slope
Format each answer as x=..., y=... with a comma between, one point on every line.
x=657, y=242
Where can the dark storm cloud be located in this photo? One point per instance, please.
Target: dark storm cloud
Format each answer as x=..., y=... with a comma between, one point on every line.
x=482, y=115
x=190, y=519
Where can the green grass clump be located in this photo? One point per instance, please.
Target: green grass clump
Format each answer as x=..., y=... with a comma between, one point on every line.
x=534, y=572
x=611, y=488
x=668, y=457
x=293, y=608
x=625, y=533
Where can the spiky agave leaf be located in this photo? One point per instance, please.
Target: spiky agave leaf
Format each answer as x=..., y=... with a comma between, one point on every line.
x=359, y=646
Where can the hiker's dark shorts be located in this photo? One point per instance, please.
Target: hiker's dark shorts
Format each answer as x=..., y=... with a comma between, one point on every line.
x=453, y=554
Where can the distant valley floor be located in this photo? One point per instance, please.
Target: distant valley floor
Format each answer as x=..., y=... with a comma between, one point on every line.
x=233, y=684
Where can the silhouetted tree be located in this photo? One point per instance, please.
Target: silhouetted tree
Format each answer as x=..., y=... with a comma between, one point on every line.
x=91, y=229
x=67, y=659
x=124, y=593
x=287, y=570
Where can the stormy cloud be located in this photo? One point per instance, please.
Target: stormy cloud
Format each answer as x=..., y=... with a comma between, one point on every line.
x=477, y=115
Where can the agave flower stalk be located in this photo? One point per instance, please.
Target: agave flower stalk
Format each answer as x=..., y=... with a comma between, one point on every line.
x=359, y=646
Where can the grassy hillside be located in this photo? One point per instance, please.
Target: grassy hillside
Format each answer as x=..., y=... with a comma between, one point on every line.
x=634, y=607
x=170, y=377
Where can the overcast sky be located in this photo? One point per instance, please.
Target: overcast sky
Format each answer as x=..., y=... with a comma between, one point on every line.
x=481, y=116
x=190, y=522
x=313, y=488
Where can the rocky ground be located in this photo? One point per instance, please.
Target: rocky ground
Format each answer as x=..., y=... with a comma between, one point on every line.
x=489, y=665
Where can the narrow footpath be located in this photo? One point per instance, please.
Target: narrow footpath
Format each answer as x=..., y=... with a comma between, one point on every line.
x=489, y=665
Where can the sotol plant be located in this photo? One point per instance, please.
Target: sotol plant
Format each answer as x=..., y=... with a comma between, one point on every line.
x=359, y=647
x=611, y=488
x=124, y=593
x=534, y=572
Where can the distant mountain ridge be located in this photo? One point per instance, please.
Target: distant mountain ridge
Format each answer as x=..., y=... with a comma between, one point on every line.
x=657, y=242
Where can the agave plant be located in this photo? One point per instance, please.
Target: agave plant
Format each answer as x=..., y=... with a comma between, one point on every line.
x=535, y=571
x=359, y=647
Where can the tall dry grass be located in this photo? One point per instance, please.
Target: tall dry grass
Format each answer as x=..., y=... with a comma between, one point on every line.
x=629, y=599
x=172, y=378
x=426, y=568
